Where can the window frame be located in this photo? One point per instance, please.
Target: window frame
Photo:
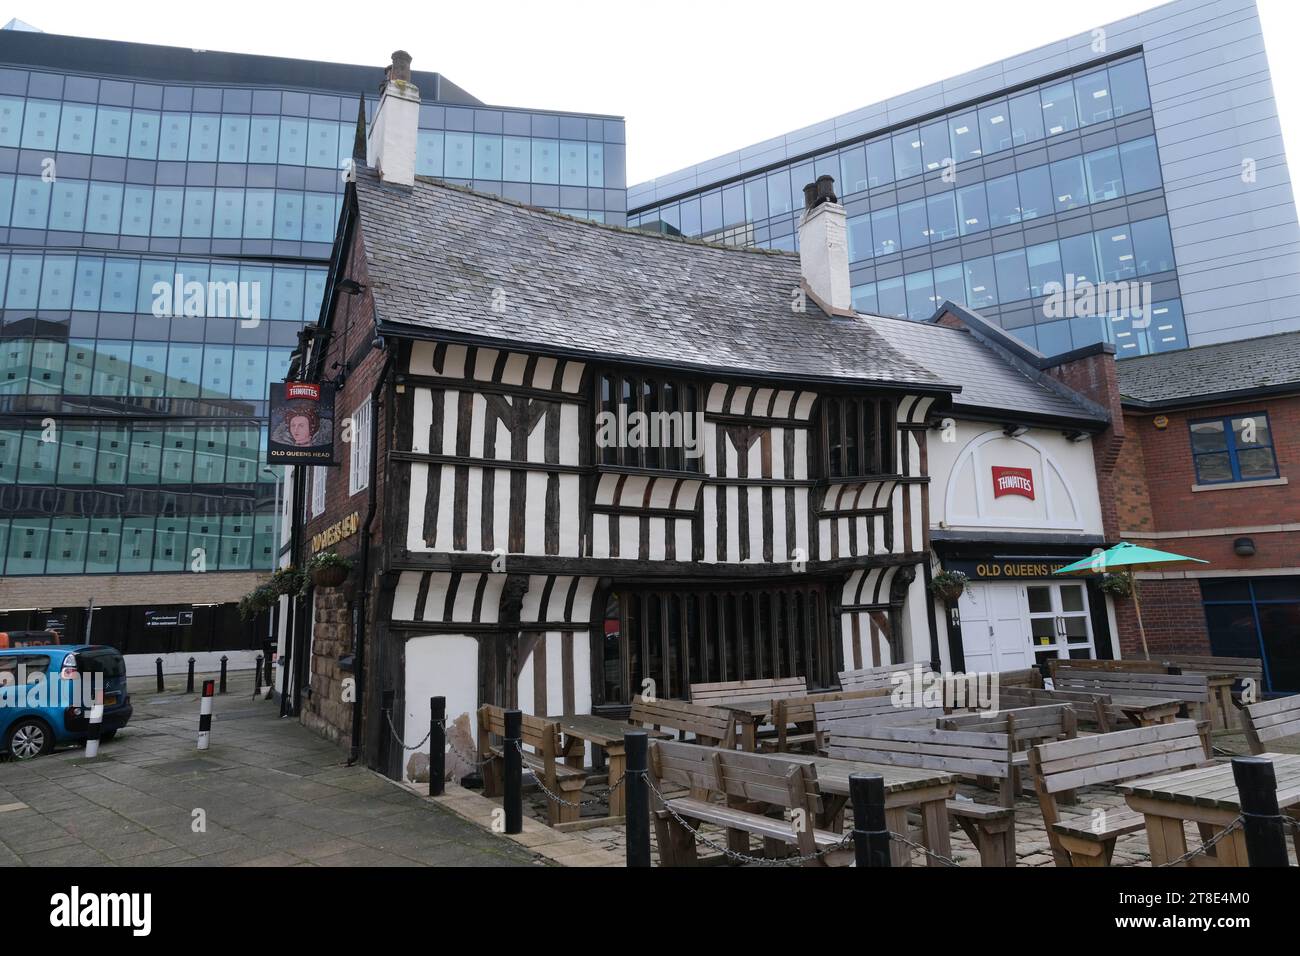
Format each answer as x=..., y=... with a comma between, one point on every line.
x=318, y=490
x=1231, y=448
x=689, y=398
x=359, y=450
x=882, y=446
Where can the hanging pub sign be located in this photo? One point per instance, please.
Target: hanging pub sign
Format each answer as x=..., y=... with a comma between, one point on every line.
x=1013, y=481
x=302, y=424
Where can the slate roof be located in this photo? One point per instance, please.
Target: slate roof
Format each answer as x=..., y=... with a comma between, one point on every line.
x=1267, y=362
x=989, y=382
x=437, y=254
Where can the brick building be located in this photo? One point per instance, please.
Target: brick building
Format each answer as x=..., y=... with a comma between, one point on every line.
x=1213, y=443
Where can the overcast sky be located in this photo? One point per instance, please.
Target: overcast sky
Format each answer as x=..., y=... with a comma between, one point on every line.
x=694, y=79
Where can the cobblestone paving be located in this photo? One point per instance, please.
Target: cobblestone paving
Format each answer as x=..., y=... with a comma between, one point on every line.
x=273, y=793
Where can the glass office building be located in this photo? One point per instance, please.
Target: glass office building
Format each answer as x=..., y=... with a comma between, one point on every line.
x=1125, y=161
x=132, y=413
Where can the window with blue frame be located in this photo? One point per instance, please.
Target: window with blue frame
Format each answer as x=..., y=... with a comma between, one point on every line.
x=1233, y=448
x=1257, y=617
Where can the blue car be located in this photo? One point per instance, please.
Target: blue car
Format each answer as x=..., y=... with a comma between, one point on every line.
x=47, y=691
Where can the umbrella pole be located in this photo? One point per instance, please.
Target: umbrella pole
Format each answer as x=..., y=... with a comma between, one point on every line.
x=1137, y=606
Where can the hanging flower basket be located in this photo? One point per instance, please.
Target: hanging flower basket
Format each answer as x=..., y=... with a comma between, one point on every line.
x=1117, y=584
x=949, y=585
x=328, y=570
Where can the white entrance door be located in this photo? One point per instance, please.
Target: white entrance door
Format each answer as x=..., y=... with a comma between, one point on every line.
x=1059, y=621
x=993, y=628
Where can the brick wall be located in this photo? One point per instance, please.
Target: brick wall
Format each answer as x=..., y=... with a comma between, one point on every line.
x=1093, y=376
x=325, y=711
x=1172, y=615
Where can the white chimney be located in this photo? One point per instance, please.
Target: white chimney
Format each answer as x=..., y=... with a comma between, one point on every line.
x=824, y=248
x=390, y=147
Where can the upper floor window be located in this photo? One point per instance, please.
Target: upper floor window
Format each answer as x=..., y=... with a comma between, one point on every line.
x=858, y=437
x=359, y=455
x=1233, y=448
x=318, y=474
x=649, y=423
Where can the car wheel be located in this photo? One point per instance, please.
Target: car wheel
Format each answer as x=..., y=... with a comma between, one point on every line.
x=30, y=737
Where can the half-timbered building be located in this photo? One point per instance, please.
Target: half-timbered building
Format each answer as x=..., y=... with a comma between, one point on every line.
x=596, y=461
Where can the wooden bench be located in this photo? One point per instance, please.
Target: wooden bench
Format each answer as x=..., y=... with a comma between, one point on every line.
x=1026, y=726
x=831, y=716
x=711, y=726
x=1028, y=677
x=774, y=688
x=1122, y=666
x=978, y=754
x=868, y=678
x=1066, y=765
x=754, y=785
x=543, y=736
x=799, y=713
x=1192, y=689
x=1241, y=669
x=1090, y=709
x=1271, y=720
x=750, y=701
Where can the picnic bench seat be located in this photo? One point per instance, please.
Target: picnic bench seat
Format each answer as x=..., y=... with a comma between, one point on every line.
x=978, y=754
x=1271, y=720
x=543, y=736
x=1026, y=677
x=1241, y=667
x=754, y=785
x=1025, y=726
x=771, y=688
x=799, y=712
x=711, y=726
x=1090, y=708
x=831, y=716
x=1192, y=689
x=867, y=678
x=1065, y=765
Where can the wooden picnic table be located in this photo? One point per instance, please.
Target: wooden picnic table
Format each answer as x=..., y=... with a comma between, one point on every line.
x=607, y=734
x=905, y=787
x=1207, y=796
x=1146, y=711
x=1222, y=713
x=751, y=714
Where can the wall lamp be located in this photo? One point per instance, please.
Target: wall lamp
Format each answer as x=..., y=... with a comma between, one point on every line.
x=350, y=286
x=1244, y=547
x=1075, y=436
x=1014, y=431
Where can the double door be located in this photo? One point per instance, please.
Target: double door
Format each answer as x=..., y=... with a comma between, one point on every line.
x=1006, y=626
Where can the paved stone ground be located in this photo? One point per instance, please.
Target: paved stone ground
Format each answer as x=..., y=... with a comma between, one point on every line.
x=274, y=794
x=1031, y=838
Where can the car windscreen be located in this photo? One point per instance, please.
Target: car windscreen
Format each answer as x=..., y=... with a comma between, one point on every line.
x=102, y=660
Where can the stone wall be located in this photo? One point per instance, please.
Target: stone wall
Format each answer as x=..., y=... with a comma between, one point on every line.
x=328, y=710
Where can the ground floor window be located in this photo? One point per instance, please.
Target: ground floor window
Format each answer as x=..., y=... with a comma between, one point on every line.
x=1257, y=617
x=676, y=638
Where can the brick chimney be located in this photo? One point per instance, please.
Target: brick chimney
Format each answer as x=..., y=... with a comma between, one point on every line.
x=824, y=248
x=390, y=147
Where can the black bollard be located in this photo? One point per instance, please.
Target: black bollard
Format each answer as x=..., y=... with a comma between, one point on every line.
x=514, y=767
x=637, y=797
x=189, y=680
x=257, y=677
x=437, y=745
x=270, y=670
x=870, y=833
x=158, y=667
x=1263, y=824
x=224, y=661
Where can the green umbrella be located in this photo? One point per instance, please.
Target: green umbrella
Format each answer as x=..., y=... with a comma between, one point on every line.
x=1125, y=555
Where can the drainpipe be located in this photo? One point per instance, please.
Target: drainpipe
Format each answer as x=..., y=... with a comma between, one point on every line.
x=359, y=640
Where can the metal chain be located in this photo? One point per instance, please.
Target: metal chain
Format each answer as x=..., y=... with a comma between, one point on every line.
x=604, y=798
x=398, y=737
x=1208, y=844
x=472, y=761
x=735, y=854
x=945, y=860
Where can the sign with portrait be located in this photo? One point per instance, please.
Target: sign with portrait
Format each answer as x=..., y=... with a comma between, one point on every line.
x=302, y=424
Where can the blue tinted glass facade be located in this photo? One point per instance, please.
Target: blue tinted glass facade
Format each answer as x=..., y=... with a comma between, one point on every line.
x=1007, y=205
x=133, y=415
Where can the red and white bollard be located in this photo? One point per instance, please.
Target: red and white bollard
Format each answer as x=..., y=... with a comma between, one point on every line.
x=96, y=726
x=205, y=714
